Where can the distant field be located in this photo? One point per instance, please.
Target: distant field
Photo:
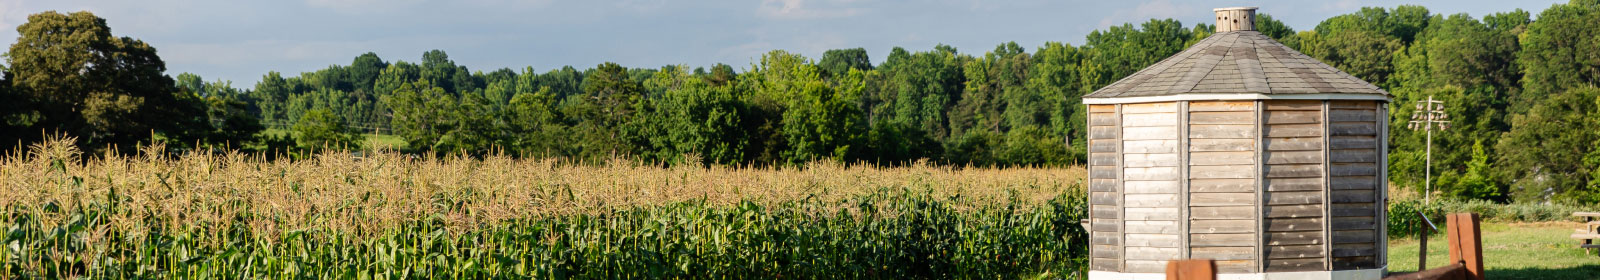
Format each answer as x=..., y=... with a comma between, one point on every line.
x=1511, y=251
x=390, y=215
x=384, y=141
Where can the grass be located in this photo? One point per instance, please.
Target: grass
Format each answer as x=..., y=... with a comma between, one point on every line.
x=1511, y=251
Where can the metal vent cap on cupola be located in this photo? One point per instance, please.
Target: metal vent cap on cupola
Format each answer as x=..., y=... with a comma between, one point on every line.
x=1237, y=63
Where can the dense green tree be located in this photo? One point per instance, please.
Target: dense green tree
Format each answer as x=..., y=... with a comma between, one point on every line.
x=77, y=78
x=1468, y=65
x=1560, y=51
x=693, y=117
x=423, y=113
x=841, y=61
x=1551, y=150
x=364, y=71
x=320, y=128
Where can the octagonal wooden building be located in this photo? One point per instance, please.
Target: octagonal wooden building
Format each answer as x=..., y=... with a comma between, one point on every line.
x=1241, y=150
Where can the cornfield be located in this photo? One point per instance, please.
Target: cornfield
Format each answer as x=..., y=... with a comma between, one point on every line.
x=388, y=216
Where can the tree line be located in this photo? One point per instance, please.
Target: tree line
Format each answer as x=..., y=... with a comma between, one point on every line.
x=1520, y=92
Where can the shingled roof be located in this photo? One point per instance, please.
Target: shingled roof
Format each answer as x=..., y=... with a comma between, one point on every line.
x=1238, y=62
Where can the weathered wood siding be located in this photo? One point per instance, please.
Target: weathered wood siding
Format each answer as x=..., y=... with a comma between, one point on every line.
x=1295, y=183
x=1353, y=153
x=1222, y=184
x=1150, y=173
x=1105, y=189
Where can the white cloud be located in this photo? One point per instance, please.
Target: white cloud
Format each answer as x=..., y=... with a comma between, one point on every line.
x=804, y=9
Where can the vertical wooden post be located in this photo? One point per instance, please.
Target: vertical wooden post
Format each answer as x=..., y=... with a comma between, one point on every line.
x=1422, y=249
x=1191, y=270
x=1466, y=243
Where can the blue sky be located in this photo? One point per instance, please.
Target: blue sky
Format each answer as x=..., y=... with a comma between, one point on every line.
x=242, y=40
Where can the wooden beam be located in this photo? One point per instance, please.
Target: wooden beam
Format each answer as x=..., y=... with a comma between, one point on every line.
x=1466, y=243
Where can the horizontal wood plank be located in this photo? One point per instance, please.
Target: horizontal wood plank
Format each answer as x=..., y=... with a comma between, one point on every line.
x=1151, y=187
x=1105, y=119
x=1150, y=160
x=1150, y=146
x=1293, y=157
x=1293, y=105
x=1222, y=172
x=1103, y=146
x=1103, y=198
x=1152, y=227
x=1294, y=198
x=1152, y=253
x=1294, y=238
x=1222, y=239
x=1221, y=199
x=1353, y=115
x=1224, y=253
x=1158, y=107
x=1222, y=185
x=1353, y=142
x=1287, y=265
x=1149, y=119
x=1293, y=251
x=1294, y=170
x=1243, y=225
x=1292, y=117
x=1222, y=158
x=1354, y=223
x=1352, y=196
x=1150, y=133
x=1150, y=173
x=1352, y=128
x=1354, y=236
x=1104, y=108
x=1240, y=117
x=1294, y=130
x=1151, y=214
x=1152, y=240
x=1099, y=264
x=1151, y=200
x=1294, y=144
x=1354, y=183
x=1102, y=185
x=1222, y=131
x=1294, y=184
x=1222, y=145
x=1354, y=250
x=1353, y=104
x=1294, y=211
x=1103, y=132
x=1294, y=224
x=1354, y=169
x=1222, y=212
x=1354, y=210
x=1222, y=106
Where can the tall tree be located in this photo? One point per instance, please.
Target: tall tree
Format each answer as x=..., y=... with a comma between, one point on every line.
x=80, y=79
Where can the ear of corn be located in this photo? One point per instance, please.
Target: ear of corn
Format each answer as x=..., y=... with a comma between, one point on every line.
x=388, y=216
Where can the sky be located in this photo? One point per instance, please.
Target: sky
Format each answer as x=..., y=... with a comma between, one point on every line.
x=240, y=41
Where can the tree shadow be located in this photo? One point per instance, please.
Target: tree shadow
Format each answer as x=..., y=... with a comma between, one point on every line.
x=1587, y=271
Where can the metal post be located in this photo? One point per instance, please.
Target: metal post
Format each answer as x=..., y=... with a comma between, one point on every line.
x=1429, y=113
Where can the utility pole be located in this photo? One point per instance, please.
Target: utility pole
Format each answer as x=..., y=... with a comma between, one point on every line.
x=1430, y=113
